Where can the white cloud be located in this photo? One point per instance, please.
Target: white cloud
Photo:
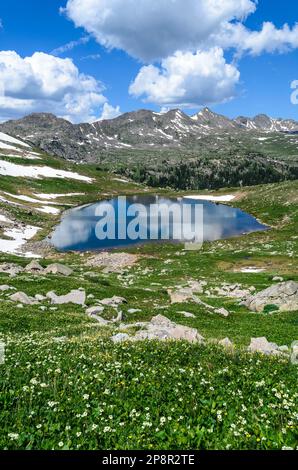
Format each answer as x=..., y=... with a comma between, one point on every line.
x=186, y=37
x=109, y=112
x=44, y=83
x=268, y=40
x=154, y=29
x=188, y=80
x=70, y=45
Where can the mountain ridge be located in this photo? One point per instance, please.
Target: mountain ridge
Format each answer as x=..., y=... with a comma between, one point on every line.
x=137, y=130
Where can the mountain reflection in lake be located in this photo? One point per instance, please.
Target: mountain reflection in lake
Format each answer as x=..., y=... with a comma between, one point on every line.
x=76, y=231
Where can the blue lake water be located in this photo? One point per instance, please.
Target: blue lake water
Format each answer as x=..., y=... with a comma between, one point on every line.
x=77, y=230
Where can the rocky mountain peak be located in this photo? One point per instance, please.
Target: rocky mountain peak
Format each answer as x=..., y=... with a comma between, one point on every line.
x=142, y=129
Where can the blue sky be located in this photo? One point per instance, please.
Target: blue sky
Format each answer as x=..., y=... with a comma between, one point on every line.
x=33, y=26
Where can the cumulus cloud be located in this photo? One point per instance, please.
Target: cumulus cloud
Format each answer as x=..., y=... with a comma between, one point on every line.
x=110, y=112
x=154, y=29
x=188, y=79
x=180, y=35
x=268, y=40
x=44, y=83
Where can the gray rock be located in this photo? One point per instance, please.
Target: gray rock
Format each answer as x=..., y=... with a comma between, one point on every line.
x=57, y=268
x=188, y=314
x=161, y=328
x=51, y=295
x=22, y=298
x=113, y=301
x=284, y=295
x=77, y=297
x=134, y=310
x=181, y=295
x=39, y=297
x=222, y=311
x=101, y=321
x=119, y=317
x=94, y=310
x=278, y=279
x=34, y=267
x=5, y=288
x=262, y=345
x=11, y=269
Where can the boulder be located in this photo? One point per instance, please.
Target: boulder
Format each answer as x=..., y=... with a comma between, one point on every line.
x=22, y=298
x=119, y=317
x=113, y=301
x=39, y=297
x=11, y=269
x=77, y=297
x=222, y=311
x=262, y=345
x=51, y=295
x=5, y=288
x=134, y=310
x=180, y=296
x=57, y=268
x=34, y=267
x=235, y=291
x=94, y=311
x=161, y=328
x=188, y=314
x=284, y=295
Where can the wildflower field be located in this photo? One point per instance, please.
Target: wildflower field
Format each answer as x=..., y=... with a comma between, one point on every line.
x=90, y=394
x=65, y=385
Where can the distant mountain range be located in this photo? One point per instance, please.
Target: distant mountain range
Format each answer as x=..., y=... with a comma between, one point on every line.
x=139, y=130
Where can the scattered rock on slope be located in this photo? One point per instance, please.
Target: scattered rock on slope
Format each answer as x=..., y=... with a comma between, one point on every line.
x=161, y=328
x=284, y=295
x=112, y=262
x=57, y=268
x=113, y=301
x=11, y=269
x=22, y=298
x=262, y=345
x=77, y=297
x=34, y=267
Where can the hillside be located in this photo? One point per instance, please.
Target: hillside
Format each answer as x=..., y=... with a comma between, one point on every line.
x=76, y=387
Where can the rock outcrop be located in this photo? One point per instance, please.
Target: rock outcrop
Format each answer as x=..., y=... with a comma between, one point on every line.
x=283, y=295
x=57, y=268
x=161, y=328
x=77, y=297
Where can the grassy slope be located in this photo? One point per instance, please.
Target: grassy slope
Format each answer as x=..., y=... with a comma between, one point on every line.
x=87, y=393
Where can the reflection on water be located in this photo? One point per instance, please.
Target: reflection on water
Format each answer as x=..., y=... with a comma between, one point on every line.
x=76, y=230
